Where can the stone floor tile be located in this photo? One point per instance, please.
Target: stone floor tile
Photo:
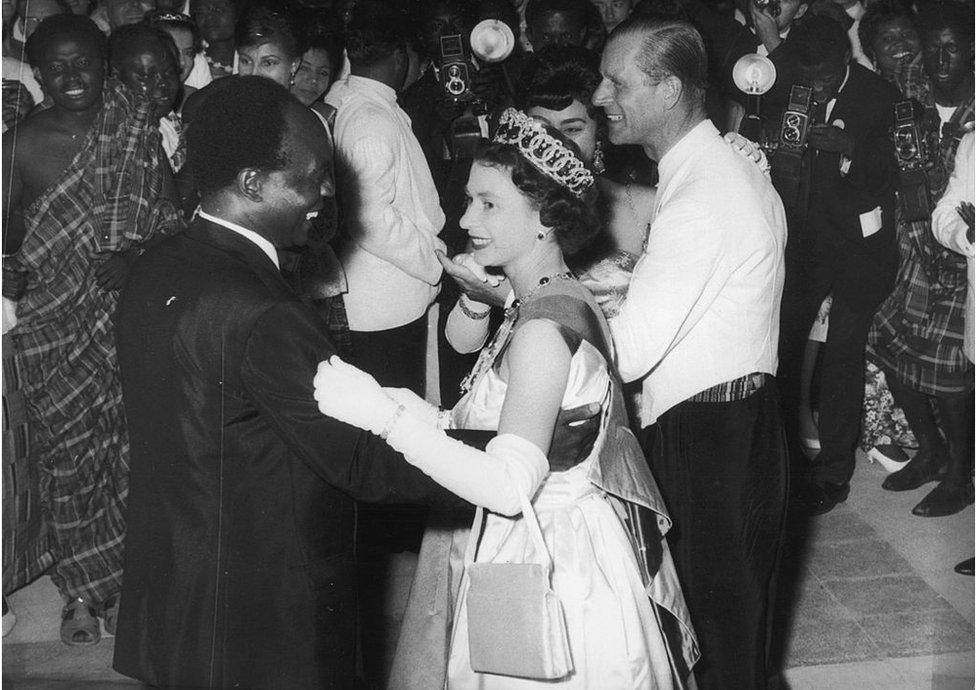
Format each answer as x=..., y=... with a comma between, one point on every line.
x=812, y=643
x=886, y=594
x=855, y=559
x=923, y=632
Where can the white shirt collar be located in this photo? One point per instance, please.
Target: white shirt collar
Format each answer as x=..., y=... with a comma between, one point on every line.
x=261, y=242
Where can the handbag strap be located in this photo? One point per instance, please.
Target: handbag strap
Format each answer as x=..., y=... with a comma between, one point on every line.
x=532, y=523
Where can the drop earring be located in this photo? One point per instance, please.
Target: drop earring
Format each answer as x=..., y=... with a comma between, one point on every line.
x=541, y=235
x=598, y=166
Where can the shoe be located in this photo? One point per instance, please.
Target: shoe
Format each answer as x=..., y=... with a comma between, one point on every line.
x=921, y=469
x=947, y=498
x=822, y=498
x=110, y=613
x=967, y=567
x=79, y=624
x=889, y=456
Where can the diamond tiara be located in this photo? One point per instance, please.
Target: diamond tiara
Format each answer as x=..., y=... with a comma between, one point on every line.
x=547, y=154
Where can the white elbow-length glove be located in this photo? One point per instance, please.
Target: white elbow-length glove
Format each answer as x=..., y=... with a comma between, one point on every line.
x=493, y=478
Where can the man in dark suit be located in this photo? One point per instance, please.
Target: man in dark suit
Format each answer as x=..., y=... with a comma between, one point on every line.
x=239, y=557
x=841, y=241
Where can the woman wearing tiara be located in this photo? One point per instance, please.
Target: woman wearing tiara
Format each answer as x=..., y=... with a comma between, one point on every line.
x=530, y=200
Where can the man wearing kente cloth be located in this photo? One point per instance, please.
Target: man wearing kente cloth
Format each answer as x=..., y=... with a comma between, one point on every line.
x=84, y=188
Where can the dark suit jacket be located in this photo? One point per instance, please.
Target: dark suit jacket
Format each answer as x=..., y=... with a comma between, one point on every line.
x=866, y=106
x=239, y=556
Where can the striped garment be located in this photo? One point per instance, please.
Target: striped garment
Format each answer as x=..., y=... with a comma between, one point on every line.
x=108, y=200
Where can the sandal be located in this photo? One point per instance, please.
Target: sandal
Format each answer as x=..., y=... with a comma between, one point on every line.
x=110, y=613
x=79, y=624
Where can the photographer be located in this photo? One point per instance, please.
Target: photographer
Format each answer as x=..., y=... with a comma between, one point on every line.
x=842, y=238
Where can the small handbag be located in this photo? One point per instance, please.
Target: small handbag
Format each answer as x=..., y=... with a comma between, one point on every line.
x=516, y=625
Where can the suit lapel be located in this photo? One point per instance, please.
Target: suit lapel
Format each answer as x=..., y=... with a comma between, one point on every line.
x=229, y=242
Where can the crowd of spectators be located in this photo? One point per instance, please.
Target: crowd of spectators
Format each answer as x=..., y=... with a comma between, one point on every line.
x=866, y=134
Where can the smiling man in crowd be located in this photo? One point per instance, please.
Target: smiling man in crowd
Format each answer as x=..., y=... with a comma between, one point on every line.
x=69, y=240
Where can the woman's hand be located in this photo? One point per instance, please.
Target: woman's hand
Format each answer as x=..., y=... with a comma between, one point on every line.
x=749, y=149
x=352, y=396
x=474, y=281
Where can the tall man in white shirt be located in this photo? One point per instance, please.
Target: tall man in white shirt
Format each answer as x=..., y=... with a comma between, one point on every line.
x=699, y=327
x=390, y=208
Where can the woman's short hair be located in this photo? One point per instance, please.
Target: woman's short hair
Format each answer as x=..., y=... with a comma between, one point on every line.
x=271, y=22
x=877, y=15
x=556, y=76
x=174, y=20
x=575, y=220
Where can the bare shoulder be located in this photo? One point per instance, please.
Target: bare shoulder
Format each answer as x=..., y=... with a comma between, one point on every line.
x=538, y=347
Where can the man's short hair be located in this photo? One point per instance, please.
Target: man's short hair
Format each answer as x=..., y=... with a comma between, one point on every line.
x=669, y=46
x=240, y=124
x=936, y=16
x=376, y=30
x=818, y=40
x=60, y=26
x=574, y=10
x=132, y=39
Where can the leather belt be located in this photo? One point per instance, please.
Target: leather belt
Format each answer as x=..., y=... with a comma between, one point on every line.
x=736, y=389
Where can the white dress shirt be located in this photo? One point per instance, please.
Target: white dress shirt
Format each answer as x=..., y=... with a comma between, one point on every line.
x=390, y=208
x=263, y=244
x=950, y=229
x=703, y=305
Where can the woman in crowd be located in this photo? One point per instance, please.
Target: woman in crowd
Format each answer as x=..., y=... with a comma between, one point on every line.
x=319, y=65
x=189, y=44
x=269, y=43
x=917, y=336
x=551, y=353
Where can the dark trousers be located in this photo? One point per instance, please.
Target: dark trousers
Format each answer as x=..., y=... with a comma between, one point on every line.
x=396, y=358
x=722, y=468
x=858, y=283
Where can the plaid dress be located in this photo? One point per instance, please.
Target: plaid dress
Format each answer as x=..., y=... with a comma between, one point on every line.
x=917, y=333
x=108, y=200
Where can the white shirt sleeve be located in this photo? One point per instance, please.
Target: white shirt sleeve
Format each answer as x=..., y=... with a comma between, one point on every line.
x=947, y=226
x=386, y=231
x=674, y=283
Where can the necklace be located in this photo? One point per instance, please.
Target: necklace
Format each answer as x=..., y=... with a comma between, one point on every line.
x=487, y=357
x=543, y=281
